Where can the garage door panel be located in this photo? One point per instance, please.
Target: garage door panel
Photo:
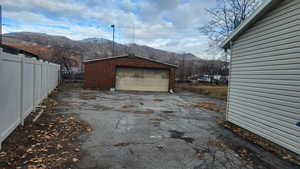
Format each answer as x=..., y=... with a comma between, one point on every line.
x=142, y=79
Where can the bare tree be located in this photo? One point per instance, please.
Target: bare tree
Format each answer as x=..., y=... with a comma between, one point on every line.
x=227, y=16
x=62, y=56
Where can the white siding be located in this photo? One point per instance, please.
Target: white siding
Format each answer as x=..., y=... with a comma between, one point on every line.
x=265, y=77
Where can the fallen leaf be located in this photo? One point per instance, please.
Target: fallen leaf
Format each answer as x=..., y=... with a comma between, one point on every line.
x=29, y=150
x=2, y=154
x=47, y=137
x=32, y=167
x=75, y=160
x=36, y=160
x=59, y=146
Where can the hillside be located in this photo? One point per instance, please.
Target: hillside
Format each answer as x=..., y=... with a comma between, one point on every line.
x=50, y=47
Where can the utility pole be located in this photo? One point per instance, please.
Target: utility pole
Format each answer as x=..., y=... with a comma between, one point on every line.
x=0, y=25
x=113, y=47
x=183, y=67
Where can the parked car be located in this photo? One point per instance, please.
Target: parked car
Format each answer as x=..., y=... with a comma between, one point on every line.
x=203, y=80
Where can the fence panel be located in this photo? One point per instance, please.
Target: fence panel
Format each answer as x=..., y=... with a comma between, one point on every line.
x=28, y=84
x=24, y=83
x=10, y=69
x=38, y=82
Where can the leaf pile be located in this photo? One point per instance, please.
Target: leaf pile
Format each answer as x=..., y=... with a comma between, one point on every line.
x=50, y=142
x=267, y=145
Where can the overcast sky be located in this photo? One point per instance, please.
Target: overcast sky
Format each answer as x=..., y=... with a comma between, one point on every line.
x=165, y=24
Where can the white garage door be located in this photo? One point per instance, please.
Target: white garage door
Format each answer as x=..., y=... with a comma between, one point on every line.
x=142, y=79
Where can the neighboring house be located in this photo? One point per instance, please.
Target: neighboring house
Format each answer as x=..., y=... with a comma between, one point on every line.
x=264, y=90
x=16, y=51
x=129, y=72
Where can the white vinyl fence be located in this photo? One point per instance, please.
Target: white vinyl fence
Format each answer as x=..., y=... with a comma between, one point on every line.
x=24, y=83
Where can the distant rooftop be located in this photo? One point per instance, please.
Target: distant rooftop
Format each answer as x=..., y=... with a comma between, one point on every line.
x=14, y=50
x=129, y=55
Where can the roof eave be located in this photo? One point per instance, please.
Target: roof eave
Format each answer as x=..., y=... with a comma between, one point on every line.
x=263, y=9
x=115, y=57
x=95, y=60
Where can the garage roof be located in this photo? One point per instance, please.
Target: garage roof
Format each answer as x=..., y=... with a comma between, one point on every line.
x=267, y=6
x=130, y=56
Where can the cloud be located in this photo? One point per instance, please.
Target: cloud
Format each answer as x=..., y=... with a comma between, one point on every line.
x=164, y=24
x=128, y=5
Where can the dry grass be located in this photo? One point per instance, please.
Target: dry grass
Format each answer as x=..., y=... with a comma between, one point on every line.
x=219, y=92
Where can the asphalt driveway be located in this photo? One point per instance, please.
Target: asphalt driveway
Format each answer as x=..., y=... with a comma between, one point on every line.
x=157, y=131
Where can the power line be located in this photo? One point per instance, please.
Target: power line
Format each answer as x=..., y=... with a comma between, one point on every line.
x=182, y=28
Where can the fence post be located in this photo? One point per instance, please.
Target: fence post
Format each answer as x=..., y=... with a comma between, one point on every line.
x=34, y=85
x=41, y=88
x=21, y=89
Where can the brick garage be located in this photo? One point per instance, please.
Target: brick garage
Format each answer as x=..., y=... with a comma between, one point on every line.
x=129, y=72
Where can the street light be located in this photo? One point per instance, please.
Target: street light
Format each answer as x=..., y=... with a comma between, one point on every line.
x=113, y=52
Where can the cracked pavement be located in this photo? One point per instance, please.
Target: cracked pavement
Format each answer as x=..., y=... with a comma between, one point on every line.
x=158, y=131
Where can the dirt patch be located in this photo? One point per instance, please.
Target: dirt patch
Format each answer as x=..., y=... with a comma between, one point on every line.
x=168, y=112
x=50, y=142
x=128, y=106
x=145, y=112
x=180, y=135
x=101, y=107
x=87, y=96
x=267, y=145
x=156, y=123
x=121, y=144
x=109, y=93
x=156, y=119
x=209, y=106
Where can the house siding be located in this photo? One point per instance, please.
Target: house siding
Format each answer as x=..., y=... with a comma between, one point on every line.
x=265, y=77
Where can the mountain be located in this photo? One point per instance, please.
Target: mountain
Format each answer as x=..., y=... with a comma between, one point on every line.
x=50, y=47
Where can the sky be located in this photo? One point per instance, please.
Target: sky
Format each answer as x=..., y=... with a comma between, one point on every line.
x=170, y=25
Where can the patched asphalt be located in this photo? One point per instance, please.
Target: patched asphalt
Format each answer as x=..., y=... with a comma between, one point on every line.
x=158, y=131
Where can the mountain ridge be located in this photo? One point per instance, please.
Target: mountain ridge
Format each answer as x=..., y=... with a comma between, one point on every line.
x=50, y=46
